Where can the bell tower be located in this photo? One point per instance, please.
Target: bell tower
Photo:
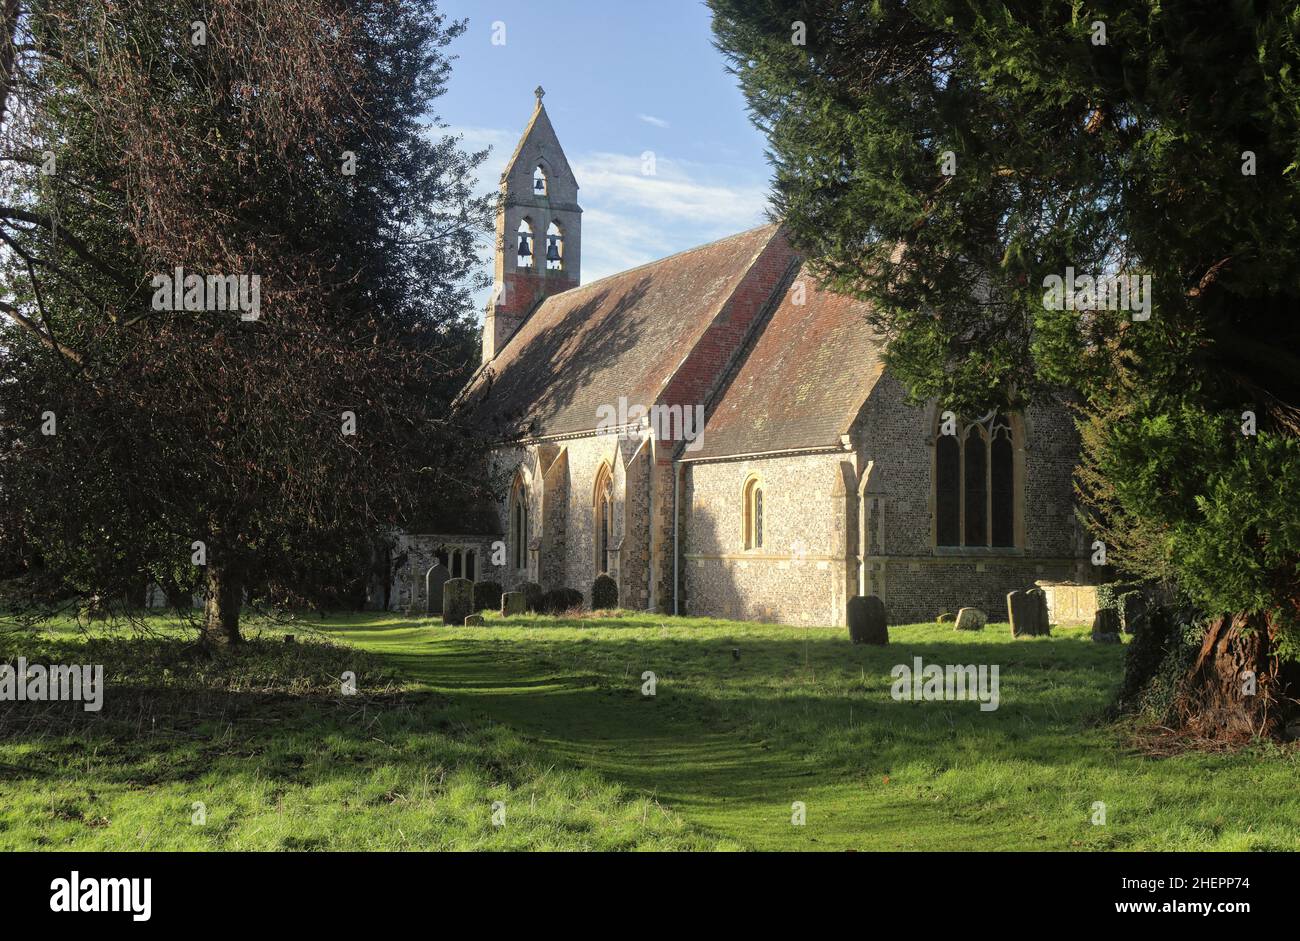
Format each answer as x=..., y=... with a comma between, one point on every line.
x=538, y=231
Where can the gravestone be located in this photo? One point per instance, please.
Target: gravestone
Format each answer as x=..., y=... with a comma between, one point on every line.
x=1132, y=610
x=1027, y=612
x=512, y=602
x=1041, y=597
x=457, y=600
x=971, y=619
x=1105, y=626
x=474, y=620
x=946, y=617
x=866, y=616
x=434, y=579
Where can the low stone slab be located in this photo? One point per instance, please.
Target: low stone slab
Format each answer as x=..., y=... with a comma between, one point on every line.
x=1105, y=626
x=513, y=602
x=474, y=620
x=457, y=600
x=946, y=618
x=866, y=616
x=971, y=619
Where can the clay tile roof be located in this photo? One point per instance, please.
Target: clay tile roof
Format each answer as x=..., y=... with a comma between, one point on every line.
x=803, y=380
x=624, y=335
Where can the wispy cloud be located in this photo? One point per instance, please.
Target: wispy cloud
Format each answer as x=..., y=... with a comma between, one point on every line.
x=651, y=119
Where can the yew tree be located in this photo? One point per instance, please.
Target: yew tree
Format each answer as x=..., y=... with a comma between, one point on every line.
x=253, y=440
x=946, y=159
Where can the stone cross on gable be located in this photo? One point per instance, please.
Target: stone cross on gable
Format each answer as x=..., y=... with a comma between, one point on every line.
x=540, y=92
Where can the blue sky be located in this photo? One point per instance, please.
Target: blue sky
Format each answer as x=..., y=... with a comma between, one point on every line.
x=621, y=79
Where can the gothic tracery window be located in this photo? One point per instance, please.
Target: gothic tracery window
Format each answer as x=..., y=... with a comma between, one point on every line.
x=975, y=486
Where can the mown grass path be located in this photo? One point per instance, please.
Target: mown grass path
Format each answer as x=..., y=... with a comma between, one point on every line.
x=749, y=718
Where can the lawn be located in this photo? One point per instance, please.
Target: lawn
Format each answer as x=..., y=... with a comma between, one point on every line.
x=548, y=716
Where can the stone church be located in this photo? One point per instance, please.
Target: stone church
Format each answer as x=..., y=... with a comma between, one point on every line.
x=718, y=433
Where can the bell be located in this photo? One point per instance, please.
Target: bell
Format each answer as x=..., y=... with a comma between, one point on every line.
x=524, y=250
x=552, y=249
x=539, y=185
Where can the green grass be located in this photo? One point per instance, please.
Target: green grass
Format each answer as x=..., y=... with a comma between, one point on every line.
x=548, y=716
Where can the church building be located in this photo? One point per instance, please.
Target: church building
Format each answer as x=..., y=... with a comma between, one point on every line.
x=718, y=433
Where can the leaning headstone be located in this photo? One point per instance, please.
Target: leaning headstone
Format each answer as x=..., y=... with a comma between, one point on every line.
x=1027, y=614
x=512, y=602
x=971, y=619
x=866, y=616
x=474, y=620
x=1105, y=626
x=434, y=579
x=457, y=600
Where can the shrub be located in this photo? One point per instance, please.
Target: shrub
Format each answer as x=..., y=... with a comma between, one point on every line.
x=487, y=596
x=559, y=600
x=533, y=595
x=604, y=593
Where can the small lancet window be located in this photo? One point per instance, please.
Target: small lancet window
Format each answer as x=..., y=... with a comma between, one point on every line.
x=752, y=514
x=524, y=252
x=554, y=248
x=539, y=182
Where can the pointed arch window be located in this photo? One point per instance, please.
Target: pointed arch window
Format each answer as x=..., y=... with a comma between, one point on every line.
x=519, y=526
x=526, y=250
x=603, y=516
x=752, y=523
x=539, y=181
x=554, y=247
x=975, y=485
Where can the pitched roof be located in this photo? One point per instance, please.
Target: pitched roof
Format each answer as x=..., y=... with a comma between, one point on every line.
x=622, y=336
x=801, y=382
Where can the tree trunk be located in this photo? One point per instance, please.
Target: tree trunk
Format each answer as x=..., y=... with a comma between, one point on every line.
x=1235, y=690
x=225, y=595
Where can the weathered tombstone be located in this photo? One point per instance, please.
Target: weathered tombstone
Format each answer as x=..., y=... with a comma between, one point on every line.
x=1027, y=612
x=1044, y=618
x=946, y=618
x=866, y=616
x=971, y=619
x=434, y=579
x=512, y=602
x=474, y=620
x=1105, y=626
x=457, y=600
x=1132, y=610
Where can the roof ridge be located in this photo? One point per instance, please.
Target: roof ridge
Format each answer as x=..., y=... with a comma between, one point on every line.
x=659, y=261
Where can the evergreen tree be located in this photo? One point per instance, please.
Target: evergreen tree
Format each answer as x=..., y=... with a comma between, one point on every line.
x=948, y=160
x=230, y=449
